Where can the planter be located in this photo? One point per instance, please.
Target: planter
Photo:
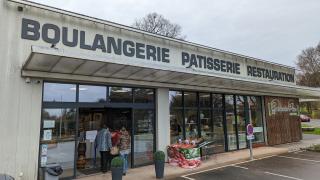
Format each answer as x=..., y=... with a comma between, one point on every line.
x=116, y=173
x=159, y=168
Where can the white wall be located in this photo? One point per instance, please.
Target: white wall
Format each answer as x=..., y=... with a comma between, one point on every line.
x=163, y=119
x=20, y=107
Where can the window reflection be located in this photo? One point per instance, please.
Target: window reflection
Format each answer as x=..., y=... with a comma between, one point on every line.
x=231, y=123
x=143, y=137
x=143, y=95
x=175, y=99
x=190, y=99
x=241, y=122
x=120, y=94
x=191, y=117
x=218, y=137
x=58, y=139
x=255, y=116
x=176, y=125
x=92, y=93
x=204, y=99
x=56, y=92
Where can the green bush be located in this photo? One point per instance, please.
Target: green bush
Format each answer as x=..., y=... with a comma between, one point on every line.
x=159, y=156
x=117, y=162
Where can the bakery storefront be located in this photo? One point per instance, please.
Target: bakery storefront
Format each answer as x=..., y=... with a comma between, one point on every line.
x=63, y=75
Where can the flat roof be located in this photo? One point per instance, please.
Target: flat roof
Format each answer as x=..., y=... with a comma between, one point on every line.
x=121, y=26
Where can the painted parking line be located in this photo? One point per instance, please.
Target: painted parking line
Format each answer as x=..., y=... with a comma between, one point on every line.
x=241, y=167
x=230, y=165
x=284, y=176
x=302, y=159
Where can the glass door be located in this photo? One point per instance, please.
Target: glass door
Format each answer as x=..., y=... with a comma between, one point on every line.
x=57, y=144
x=143, y=136
x=241, y=121
x=231, y=122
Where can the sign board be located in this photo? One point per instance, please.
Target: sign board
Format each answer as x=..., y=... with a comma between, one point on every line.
x=91, y=135
x=250, y=137
x=47, y=135
x=250, y=129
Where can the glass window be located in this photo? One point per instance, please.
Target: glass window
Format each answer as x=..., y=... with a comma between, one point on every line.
x=176, y=125
x=175, y=99
x=191, y=127
x=56, y=92
x=255, y=116
x=58, y=139
x=120, y=94
x=190, y=99
x=143, y=95
x=207, y=128
x=231, y=122
x=204, y=99
x=241, y=122
x=143, y=137
x=218, y=136
x=92, y=93
x=217, y=101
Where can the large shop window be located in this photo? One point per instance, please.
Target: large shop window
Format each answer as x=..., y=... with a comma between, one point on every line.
x=255, y=116
x=231, y=122
x=57, y=143
x=241, y=122
x=55, y=92
x=218, y=130
x=72, y=115
x=176, y=116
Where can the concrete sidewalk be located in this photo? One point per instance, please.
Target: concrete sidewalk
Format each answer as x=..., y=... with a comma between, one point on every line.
x=148, y=172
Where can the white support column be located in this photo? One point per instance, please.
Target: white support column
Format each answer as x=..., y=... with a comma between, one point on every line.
x=162, y=119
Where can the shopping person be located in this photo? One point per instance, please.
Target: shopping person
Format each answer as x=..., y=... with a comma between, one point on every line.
x=125, y=147
x=103, y=144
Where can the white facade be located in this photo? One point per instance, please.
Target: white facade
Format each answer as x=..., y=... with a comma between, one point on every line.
x=21, y=83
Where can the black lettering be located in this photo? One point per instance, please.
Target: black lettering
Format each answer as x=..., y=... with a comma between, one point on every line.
x=30, y=29
x=249, y=70
x=223, y=65
x=165, y=55
x=45, y=33
x=185, y=58
x=83, y=44
x=237, y=68
x=98, y=43
x=216, y=65
x=140, y=50
x=229, y=66
x=65, y=41
x=128, y=48
x=151, y=52
x=193, y=60
x=116, y=46
x=209, y=63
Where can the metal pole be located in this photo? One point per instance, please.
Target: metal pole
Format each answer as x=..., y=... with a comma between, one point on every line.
x=251, y=155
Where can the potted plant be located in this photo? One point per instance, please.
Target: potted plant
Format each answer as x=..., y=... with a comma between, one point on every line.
x=117, y=168
x=159, y=158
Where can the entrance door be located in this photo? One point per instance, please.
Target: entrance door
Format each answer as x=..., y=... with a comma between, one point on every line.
x=90, y=122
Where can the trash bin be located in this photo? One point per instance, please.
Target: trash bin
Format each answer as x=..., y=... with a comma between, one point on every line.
x=5, y=177
x=52, y=171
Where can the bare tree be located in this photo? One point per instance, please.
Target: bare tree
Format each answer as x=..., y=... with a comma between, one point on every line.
x=309, y=64
x=157, y=24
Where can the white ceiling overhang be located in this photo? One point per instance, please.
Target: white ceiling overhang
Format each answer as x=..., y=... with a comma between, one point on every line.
x=51, y=63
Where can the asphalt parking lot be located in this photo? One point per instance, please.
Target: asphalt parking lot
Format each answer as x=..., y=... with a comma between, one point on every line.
x=302, y=165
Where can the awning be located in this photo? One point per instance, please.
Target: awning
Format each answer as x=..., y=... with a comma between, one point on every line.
x=59, y=64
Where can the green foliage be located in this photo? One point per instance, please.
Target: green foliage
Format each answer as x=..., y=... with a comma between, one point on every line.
x=117, y=162
x=159, y=156
x=315, y=132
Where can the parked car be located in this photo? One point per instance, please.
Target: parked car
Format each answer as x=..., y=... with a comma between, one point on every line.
x=304, y=118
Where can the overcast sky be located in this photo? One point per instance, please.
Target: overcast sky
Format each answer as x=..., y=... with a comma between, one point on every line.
x=273, y=30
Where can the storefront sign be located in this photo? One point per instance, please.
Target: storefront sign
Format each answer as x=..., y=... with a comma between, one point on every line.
x=276, y=107
x=105, y=43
